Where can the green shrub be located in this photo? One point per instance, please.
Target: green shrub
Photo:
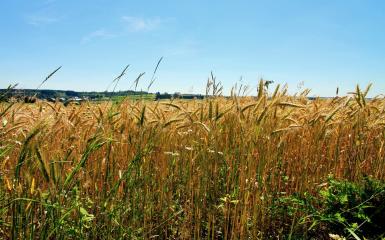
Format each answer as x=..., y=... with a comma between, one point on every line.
x=355, y=208
x=341, y=207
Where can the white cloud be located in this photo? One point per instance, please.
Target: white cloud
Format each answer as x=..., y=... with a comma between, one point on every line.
x=131, y=24
x=137, y=24
x=49, y=1
x=40, y=20
x=182, y=48
x=100, y=33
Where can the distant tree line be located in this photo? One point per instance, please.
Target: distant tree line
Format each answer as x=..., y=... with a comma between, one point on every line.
x=30, y=95
x=53, y=94
x=159, y=96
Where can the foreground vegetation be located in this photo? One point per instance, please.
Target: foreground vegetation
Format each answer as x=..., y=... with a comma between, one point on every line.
x=274, y=166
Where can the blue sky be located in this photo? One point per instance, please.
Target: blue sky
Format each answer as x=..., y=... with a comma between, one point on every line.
x=322, y=44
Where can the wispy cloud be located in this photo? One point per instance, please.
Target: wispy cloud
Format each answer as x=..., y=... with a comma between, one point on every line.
x=130, y=24
x=49, y=1
x=98, y=34
x=136, y=24
x=41, y=20
x=45, y=15
x=182, y=48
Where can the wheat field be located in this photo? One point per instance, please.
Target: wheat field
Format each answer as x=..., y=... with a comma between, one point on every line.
x=176, y=169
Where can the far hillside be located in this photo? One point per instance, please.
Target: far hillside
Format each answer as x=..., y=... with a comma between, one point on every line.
x=65, y=95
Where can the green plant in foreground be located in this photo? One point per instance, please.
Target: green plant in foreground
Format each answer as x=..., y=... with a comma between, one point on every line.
x=341, y=207
x=359, y=208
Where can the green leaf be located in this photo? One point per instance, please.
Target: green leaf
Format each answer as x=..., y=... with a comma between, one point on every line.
x=83, y=211
x=353, y=234
x=343, y=199
x=339, y=217
x=86, y=217
x=4, y=122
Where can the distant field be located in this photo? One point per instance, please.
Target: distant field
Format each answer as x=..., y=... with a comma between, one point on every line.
x=270, y=167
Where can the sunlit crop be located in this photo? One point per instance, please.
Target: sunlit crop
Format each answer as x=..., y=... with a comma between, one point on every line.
x=177, y=169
